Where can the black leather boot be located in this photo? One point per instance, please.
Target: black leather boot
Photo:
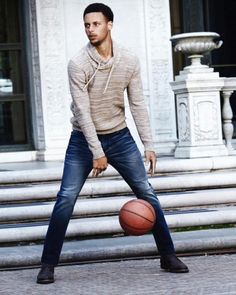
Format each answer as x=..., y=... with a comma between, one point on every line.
x=171, y=263
x=46, y=274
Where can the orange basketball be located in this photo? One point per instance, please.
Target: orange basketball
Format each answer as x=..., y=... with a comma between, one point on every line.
x=137, y=217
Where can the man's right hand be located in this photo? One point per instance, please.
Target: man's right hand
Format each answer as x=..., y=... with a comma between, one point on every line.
x=99, y=165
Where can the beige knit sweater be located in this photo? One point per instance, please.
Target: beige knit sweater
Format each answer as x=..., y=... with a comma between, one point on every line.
x=97, y=88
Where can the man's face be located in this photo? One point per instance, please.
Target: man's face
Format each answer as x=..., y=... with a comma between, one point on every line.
x=97, y=28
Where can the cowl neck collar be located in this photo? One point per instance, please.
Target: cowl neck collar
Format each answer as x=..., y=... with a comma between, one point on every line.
x=100, y=64
x=96, y=59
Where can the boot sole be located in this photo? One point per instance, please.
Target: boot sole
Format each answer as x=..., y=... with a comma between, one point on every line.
x=175, y=270
x=44, y=282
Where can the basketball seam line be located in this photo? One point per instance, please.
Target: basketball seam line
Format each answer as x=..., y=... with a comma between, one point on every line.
x=139, y=215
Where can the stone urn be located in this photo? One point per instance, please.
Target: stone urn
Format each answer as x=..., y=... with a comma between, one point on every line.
x=195, y=45
x=197, y=91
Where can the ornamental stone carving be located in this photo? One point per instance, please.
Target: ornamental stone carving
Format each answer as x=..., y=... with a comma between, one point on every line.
x=205, y=120
x=183, y=119
x=54, y=81
x=196, y=43
x=160, y=73
x=201, y=88
x=49, y=3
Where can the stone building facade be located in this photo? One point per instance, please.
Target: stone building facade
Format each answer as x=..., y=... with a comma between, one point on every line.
x=35, y=118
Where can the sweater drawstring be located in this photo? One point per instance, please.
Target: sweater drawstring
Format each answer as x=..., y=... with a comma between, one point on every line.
x=108, y=80
x=94, y=74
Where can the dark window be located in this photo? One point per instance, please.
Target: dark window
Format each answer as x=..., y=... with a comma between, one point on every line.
x=14, y=130
x=220, y=18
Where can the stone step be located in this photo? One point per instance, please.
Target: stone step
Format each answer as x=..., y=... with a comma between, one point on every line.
x=111, y=205
x=43, y=210
x=109, y=225
x=186, y=189
x=23, y=172
x=106, y=249
x=101, y=186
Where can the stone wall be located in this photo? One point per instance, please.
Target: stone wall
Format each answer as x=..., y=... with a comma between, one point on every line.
x=141, y=25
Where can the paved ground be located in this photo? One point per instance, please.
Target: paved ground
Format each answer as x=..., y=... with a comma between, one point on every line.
x=209, y=275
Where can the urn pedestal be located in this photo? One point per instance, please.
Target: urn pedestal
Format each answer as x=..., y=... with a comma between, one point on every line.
x=197, y=90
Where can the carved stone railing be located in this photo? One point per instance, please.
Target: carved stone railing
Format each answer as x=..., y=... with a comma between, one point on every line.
x=227, y=114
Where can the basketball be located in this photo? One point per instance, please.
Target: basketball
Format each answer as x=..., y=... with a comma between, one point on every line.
x=137, y=217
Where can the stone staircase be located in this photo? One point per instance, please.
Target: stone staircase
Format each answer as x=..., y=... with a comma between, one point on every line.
x=193, y=193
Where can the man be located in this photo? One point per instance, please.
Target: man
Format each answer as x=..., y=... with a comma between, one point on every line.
x=98, y=76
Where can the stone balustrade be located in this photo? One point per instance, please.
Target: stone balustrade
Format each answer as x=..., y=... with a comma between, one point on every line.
x=227, y=113
x=197, y=90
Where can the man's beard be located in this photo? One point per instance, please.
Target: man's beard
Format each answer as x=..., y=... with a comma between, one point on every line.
x=96, y=43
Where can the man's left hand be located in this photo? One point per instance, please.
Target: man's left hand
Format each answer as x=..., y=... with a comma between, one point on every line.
x=151, y=158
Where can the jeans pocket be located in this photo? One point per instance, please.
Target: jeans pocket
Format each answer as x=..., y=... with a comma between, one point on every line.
x=78, y=149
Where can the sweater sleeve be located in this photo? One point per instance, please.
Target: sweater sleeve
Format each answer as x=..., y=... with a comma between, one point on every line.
x=138, y=108
x=80, y=96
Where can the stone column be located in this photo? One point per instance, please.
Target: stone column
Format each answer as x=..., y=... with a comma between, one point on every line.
x=160, y=72
x=54, y=81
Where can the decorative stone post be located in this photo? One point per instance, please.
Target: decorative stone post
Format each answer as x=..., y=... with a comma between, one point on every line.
x=227, y=114
x=197, y=89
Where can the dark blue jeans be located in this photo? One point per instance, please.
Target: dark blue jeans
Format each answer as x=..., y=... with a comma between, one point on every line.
x=123, y=154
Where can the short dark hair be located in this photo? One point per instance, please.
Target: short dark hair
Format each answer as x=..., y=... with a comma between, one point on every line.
x=100, y=7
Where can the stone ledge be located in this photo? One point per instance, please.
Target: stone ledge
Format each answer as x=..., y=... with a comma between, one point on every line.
x=112, y=204
x=120, y=247
x=109, y=225
x=51, y=171
x=104, y=186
